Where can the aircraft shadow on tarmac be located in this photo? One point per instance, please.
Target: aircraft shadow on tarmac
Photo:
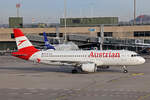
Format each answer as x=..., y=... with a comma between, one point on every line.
x=53, y=69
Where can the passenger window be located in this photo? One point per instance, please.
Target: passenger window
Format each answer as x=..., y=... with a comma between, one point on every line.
x=135, y=55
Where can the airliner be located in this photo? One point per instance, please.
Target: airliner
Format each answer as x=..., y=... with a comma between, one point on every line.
x=65, y=46
x=82, y=60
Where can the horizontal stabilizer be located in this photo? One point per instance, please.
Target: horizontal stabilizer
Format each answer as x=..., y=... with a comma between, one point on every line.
x=18, y=54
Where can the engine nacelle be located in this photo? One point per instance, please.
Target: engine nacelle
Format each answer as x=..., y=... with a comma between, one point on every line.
x=89, y=67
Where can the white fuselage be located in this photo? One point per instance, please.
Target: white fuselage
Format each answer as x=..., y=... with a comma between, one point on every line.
x=99, y=57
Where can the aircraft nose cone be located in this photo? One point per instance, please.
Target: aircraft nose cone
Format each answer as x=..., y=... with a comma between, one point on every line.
x=142, y=60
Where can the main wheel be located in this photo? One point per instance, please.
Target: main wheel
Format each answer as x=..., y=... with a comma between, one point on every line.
x=125, y=71
x=74, y=71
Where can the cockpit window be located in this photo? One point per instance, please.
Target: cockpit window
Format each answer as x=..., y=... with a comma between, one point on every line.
x=135, y=55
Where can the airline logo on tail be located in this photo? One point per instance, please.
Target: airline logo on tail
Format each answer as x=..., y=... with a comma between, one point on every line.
x=21, y=41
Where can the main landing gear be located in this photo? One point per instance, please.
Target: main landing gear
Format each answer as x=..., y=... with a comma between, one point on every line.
x=74, y=71
x=78, y=69
x=125, y=70
x=104, y=67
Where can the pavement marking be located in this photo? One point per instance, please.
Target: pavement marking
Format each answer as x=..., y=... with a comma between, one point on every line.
x=137, y=74
x=66, y=89
x=144, y=97
x=60, y=98
x=131, y=93
x=77, y=89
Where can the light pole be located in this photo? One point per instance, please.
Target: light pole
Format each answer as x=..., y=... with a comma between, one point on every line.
x=65, y=14
x=91, y=8
x=80, y=12
x=134, y=12
x=101, y=39
x=18, y=6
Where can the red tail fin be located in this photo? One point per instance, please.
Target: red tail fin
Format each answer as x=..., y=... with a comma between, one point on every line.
x=25, y=48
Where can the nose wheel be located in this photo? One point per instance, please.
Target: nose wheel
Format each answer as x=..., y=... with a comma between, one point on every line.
x=125, y=70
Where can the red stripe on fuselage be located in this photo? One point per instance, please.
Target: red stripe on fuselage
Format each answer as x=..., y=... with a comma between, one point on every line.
x=28, y=51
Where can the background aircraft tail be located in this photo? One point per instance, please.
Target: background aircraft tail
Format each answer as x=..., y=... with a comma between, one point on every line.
x=25, y=48
x=48, y=46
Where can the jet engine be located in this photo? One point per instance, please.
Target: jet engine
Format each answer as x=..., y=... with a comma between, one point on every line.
x=89, y=67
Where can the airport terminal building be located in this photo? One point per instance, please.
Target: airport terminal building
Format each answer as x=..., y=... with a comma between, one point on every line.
x=117, y=32
x=80, y=27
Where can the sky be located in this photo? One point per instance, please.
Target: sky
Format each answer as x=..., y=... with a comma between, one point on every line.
x=51, y=10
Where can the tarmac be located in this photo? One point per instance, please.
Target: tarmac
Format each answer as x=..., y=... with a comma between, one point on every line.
x=24, y=80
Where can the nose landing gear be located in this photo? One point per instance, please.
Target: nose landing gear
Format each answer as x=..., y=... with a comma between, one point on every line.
x=125, y=70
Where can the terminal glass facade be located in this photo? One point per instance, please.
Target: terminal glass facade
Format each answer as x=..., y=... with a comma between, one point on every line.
x=89, y=21
x=142, y=34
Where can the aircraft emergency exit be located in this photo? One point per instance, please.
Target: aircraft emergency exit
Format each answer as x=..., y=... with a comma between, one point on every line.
x=83, y=60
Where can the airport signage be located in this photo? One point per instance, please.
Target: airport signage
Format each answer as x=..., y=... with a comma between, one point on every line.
x=92, y=30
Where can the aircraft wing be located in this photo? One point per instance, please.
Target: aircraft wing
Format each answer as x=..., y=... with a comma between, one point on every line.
x=71, y=62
